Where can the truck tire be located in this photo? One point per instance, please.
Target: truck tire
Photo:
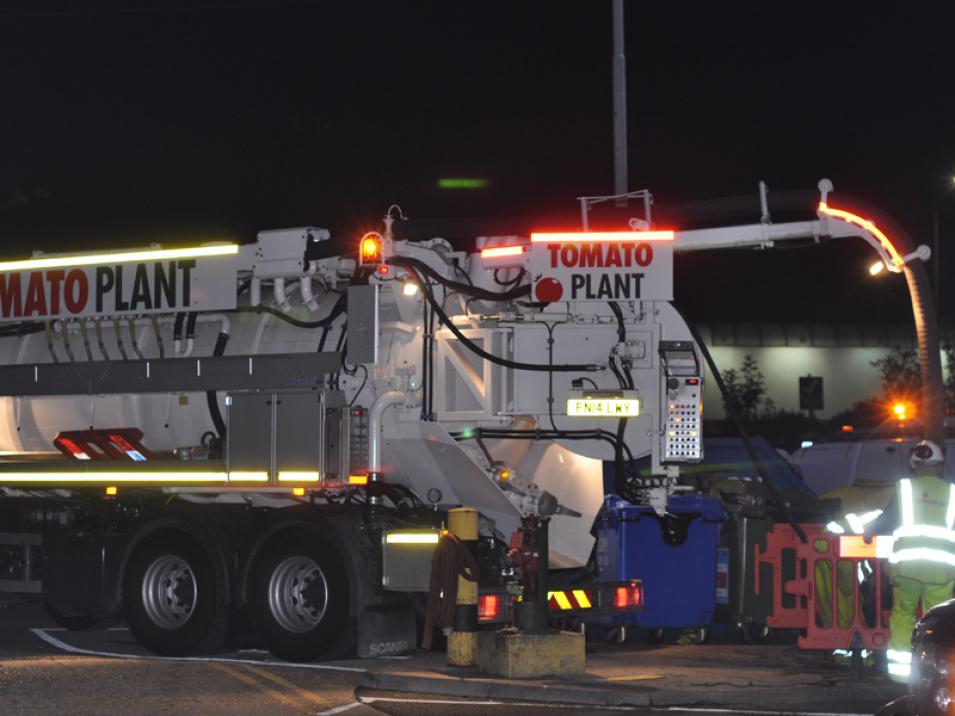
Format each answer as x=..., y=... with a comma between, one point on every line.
x=299, y=597
x=175, y=599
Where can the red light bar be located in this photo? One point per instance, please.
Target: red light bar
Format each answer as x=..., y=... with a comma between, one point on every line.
x=628, y=596
x=498, y=252
x=868, y=226
x=489, y=606
x=602, y=236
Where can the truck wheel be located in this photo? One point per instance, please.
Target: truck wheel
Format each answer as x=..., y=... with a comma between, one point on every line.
x=174, y=598
x=298, y=597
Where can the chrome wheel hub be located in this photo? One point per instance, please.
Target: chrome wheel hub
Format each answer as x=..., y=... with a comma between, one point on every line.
x=298, y=594
x=169, y=591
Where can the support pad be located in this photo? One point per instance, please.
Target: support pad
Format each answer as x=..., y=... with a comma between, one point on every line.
x=518, y=655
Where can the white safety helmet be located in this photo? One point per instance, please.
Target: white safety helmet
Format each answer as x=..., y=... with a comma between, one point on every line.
x=924, y=453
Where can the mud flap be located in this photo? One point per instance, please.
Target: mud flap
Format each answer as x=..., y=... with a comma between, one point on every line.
x=387, y=630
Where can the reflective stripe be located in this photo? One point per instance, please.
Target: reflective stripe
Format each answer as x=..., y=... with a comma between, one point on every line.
x=583, y=601
x=835, y=528
x=926, y=554
x=562, y=601
x=950, y=514
x=896, y=669
x=930, y=531
x=904, y=657
x=908, y=509
x=857, y=523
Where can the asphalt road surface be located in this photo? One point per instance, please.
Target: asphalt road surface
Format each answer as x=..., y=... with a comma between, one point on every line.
x=46, y=670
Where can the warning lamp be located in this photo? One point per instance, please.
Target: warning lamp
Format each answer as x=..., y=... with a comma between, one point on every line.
x=628, y=596
x=847, y=428
x=369, y=248
x=876, y=268
x=901, y=411
x=112, y=491
x=489, y=607
x=358, y=479
x=298, y=492
x=503, y=474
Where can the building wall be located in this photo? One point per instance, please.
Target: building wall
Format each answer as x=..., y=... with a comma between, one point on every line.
x=841, y=355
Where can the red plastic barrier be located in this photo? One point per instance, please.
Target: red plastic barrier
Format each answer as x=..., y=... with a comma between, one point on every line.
x=821, y=547
x=782, y=538
x=98, y=444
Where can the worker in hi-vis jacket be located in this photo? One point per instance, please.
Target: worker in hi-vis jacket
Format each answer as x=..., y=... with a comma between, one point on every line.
x=920, y=518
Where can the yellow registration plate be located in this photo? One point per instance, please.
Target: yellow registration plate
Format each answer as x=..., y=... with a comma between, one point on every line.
x=603, y=407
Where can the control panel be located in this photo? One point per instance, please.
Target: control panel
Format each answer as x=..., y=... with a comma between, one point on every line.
x=683, y=429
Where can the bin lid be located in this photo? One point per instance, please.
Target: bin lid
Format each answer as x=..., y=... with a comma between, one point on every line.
x=708, y=508
x=727, y=457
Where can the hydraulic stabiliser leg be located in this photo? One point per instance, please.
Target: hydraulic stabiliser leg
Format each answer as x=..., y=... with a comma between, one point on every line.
x=462, y=642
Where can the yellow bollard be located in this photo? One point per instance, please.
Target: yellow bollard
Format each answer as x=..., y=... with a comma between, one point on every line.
x=462, y=642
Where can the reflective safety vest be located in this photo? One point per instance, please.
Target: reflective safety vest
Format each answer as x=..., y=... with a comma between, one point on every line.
x=927, y=507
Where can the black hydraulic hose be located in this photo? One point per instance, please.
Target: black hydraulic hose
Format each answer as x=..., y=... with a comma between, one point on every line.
x=416, y=266
x=626, y=381
x=431, y=366
x=177, y=326
x=211, y=398
x=507, y=434
x=191, y=325
x=336, y=311
x=744, y=433
x=475, y=348
x=424, y=364
x=930, y=363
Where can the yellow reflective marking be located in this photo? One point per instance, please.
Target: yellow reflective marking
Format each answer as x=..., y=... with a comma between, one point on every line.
x=562, y=601
x=248, y=476
x=111, y=477
x=582, y=599
x=298, y=476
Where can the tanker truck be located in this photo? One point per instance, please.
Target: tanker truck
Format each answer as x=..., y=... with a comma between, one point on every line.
x=268, y=436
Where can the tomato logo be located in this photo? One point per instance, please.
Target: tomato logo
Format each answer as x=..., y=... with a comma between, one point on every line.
x=548, y=290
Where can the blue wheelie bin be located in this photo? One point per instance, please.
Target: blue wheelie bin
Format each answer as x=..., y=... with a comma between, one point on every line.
x=675, y=556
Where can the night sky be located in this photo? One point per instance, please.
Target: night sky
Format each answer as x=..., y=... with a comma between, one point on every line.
x=125, y=123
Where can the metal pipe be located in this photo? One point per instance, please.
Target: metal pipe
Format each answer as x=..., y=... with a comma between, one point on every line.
x=278, y=289
x=99, y=339
x=86, y=340
x=162, y=351
x=255, y=292
x=132, y=338
x=308, y=296
x=64, y=331
x=49, y=340
x=383, y=402
x=118, y=331
x=619, y=105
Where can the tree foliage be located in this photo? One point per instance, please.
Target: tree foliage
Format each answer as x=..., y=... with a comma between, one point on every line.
x=746, y=390
x=900, y=374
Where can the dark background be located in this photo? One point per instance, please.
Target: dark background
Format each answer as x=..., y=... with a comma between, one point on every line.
x=125, y=123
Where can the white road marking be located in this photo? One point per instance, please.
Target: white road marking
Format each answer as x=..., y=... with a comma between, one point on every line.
x=704, y=710
x=688, y=709
x=339, y=709
x=534, y=704
x=62, y=645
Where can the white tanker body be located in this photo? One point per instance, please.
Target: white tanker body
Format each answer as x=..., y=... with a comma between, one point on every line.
x=456, y=386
